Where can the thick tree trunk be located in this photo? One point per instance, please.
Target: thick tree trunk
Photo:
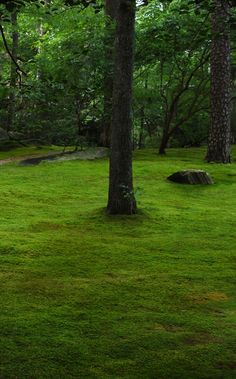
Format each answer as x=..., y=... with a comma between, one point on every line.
x=121, y=195
x=13, y=80
x=233, y=113
x=110, y=12
x=220, y=131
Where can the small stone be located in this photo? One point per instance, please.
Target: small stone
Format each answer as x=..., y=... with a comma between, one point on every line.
x=191, y=177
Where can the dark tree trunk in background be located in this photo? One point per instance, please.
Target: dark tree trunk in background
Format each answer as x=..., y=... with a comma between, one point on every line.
x=164, y=142
x=142, y=126
x=166, y=134
x=13, y=78
x=110, y=12
x=41, y=33
x=121, y=195
x=141, y=142
x=220, y=130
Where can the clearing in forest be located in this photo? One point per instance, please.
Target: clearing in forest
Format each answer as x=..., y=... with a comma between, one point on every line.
x=84, y=295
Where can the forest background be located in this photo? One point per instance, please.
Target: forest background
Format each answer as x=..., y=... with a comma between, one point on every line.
x=57, y=94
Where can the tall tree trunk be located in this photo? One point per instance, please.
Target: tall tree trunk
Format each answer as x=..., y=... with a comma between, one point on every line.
x=170, y=116
x=13, y=79
x=110, y=13
x=121, y=195
x=141, y=143
x=220, y=131
x=41, y=33
x=164, y=141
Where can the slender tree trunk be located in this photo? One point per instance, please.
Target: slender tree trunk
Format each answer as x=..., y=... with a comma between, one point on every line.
x=41, y=33
x=142, y=119
x=166, y=130
x=142, y=123
x=220, y=130
x=110, y=13
x=13, y=80
x=79, y=107
x=121, y=195
x=164, y=142
x=169, y=117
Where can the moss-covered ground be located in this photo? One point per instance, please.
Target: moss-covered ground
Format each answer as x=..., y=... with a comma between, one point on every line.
x=84, y=295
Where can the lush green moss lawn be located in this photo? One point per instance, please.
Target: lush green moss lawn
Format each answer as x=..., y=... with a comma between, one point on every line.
x=84, y=295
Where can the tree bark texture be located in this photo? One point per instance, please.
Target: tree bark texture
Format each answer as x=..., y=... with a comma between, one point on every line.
x=220, y=130
x=110, y=13
x=121, y=195
x=14, y=75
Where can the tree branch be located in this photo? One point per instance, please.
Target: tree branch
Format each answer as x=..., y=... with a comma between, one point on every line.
x=18, y=68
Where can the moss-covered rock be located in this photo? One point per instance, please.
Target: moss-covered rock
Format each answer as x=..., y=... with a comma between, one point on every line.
x=191, y=177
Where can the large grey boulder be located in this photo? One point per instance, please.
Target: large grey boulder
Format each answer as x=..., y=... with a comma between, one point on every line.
x=191, y=177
